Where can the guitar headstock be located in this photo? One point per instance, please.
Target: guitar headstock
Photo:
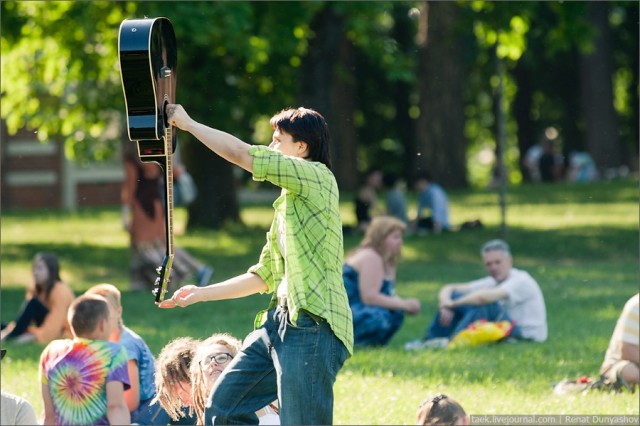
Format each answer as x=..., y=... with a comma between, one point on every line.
x=161, y=284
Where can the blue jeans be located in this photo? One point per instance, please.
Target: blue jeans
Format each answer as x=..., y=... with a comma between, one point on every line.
x=465, y=315
x=297, y=365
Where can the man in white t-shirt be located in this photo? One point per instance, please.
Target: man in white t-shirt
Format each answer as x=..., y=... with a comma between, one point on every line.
x=506, y=294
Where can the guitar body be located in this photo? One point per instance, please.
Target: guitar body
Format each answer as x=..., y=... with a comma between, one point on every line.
x=148, y=68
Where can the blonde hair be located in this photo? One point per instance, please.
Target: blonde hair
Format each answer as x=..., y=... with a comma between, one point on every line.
x=112, y=295
x=377, y=231
x=199, y=390
x=172, y=367
x=440, y=410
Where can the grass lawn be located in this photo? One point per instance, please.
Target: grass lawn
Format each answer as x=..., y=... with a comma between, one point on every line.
x=579, y=241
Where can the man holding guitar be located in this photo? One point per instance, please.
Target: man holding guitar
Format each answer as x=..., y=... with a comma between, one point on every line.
x=303, y=338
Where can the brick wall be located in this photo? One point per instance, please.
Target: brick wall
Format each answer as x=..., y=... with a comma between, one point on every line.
x=37, y=176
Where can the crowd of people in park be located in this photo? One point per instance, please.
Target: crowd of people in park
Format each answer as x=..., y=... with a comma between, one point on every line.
x=96, y=370
x=432, y=209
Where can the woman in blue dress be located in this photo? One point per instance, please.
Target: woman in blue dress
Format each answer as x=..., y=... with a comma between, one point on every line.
x=369, y=274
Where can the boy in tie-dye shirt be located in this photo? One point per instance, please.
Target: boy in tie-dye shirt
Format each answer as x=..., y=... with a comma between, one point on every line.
x=84, y=379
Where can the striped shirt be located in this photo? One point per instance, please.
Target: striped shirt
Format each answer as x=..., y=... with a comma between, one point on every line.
x=309, y=204
x=626, y=331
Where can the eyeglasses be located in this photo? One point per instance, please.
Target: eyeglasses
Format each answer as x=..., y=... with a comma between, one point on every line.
x=219, y=359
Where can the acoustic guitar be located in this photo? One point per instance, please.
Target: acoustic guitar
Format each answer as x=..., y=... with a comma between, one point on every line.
x=148, y=68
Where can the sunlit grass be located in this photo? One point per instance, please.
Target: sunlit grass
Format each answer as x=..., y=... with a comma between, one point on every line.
x=579, y=241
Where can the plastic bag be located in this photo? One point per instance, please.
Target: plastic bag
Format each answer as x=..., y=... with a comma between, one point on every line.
x=481, y=332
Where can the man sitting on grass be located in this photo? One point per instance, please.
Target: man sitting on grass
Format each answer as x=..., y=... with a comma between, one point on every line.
x=84, y=379
x=506, y=294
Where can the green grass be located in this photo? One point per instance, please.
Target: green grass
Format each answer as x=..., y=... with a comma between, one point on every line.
x=579, y=241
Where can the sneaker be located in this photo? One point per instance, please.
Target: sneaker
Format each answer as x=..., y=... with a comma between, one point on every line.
x=204, y=276
x=413, y=345
x=435, y=343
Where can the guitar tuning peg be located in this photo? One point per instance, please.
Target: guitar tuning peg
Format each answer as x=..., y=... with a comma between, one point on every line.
x=155, y=291
x=159, y=270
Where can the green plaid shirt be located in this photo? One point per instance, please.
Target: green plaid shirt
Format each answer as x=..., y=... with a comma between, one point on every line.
x=313, y=241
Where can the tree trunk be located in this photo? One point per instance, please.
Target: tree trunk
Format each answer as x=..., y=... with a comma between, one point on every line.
x=405, y=125
x=602, y=138
x=328, y=87
x=522, y=113
x=217, y=200
x=440, y=127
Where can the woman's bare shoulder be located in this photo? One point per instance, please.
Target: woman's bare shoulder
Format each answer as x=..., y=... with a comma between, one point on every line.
x=62, y=291
x=364, y=258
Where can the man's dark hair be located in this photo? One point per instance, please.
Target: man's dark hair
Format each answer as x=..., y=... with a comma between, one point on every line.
x=306, y=125
x=86, y=312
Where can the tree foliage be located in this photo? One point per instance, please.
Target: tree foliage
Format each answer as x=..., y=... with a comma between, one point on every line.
x=59, y=75
x=359, y=63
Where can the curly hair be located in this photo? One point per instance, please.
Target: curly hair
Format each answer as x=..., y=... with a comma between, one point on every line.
x=199, y=389
x=172, y=367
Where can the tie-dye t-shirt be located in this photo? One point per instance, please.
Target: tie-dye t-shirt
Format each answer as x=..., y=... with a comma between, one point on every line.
x=76, y=372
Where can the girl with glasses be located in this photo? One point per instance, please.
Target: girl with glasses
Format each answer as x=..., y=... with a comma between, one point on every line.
x=211, y=358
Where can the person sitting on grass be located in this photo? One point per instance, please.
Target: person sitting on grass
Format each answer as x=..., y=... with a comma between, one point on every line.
x=622, y=359
x=396, y=200
x=212, y=358
x=83, y=379
x=433, y=197
x=15, y=410
x=369, y=274
x=173, y=380
x=366, y=202
x=441, y=410
x=507, y=294
x=141, y=362
x=43, y=315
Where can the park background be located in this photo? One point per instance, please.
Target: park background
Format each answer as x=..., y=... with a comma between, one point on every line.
x=449, y=87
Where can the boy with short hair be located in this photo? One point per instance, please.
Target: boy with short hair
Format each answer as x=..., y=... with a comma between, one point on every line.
x=141, y=363
x=83, y=379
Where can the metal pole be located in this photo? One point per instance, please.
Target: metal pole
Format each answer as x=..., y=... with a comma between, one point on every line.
x=502, y=172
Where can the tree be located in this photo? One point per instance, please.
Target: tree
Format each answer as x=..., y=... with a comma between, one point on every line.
x=327, y=85
x=596, y=69
x=441, y=141
x=63, y=80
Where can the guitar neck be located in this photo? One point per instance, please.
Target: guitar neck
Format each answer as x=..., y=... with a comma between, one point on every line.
x=168, y=178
